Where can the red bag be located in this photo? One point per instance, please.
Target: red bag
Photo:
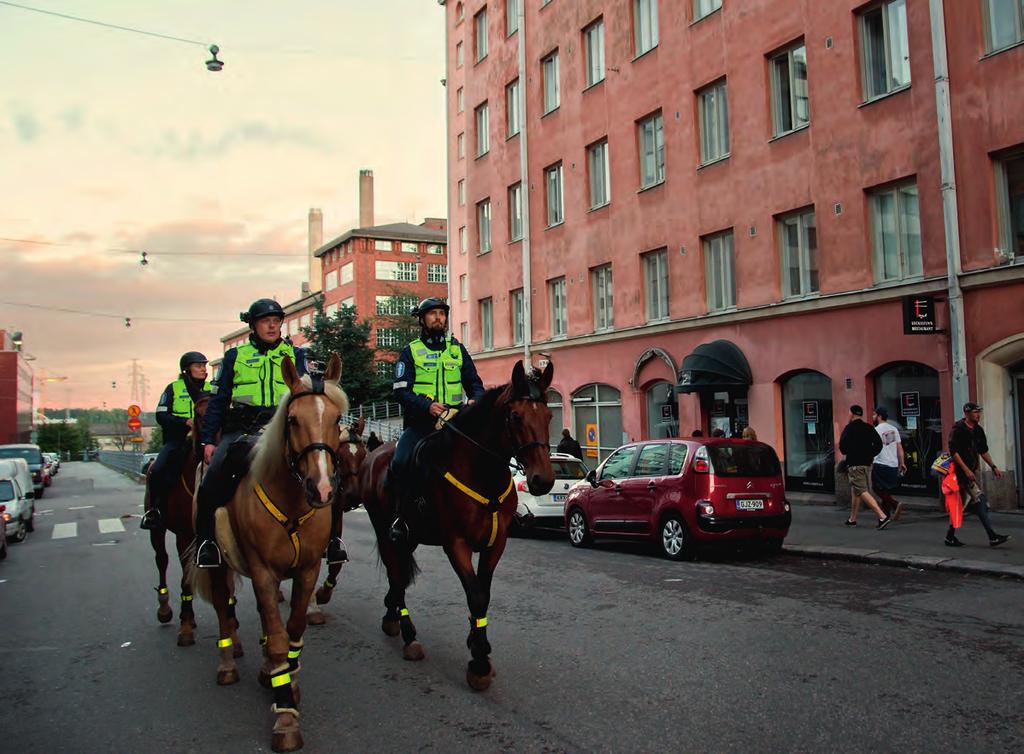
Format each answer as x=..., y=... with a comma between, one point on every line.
x=954, y=504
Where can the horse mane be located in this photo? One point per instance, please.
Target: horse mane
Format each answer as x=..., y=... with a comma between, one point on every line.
x=268, y=456
x=474, y=419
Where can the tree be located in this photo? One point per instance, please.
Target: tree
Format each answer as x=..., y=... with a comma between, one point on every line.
x=394, y=317
x=349, y=338
x=66, y=438
x=156, y=440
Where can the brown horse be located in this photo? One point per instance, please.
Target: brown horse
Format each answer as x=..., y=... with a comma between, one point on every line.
x=177, y=519
x=467, y=503
x=275, y=527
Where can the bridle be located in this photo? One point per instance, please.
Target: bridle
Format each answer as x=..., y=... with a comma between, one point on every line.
x=295, y=457
x=508, y=429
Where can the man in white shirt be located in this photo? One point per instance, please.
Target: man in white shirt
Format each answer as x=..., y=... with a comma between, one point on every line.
x=889, y=465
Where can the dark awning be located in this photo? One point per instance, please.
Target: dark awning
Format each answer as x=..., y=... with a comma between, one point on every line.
x=717, y=365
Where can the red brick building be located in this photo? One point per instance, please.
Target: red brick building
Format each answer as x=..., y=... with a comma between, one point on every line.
x=727, y=207
x=15, y=392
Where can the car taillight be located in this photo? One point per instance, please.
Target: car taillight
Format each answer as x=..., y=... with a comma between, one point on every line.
x=701, y=462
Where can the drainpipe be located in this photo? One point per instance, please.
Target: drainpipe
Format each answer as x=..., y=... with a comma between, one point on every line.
x=957, y=336
x=524, y=172
x=447, y=165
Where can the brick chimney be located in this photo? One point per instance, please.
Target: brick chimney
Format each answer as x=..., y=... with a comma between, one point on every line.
x=365, y=198
x=316, y=240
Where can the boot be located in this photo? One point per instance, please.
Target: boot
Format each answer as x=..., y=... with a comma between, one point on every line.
x=336, y=552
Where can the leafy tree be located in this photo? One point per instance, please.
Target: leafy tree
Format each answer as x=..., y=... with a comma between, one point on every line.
x=345, y=335
x=65, y=438
x=402, y=327
x=156, y=440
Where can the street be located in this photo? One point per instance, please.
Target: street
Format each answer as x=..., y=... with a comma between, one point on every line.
x=608, y=649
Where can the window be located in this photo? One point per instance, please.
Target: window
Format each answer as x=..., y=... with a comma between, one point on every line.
x=553, y=187
x=1010, y=199
x=656, y=284
x=549, y=67
x=331, y=281
x=346, y=273
x=480, y=33
x=410, y=248
x=645, y=26
x=462, y=239
x=1004, y=23
x=458, y=55
x=483, y=222
x=405, y=271
x=798, y=242
x=702, y=8
x=512, y=16
x=896, y=228
x=304, y=320
x=483, y=142
x=462, y=192
x=518, y=317
x=437, y=273
x=790, y=105
x=460, y=13
x=385, y=369
x=651, y=461
x=559, y=307
x=652, y=150
x=593, y=44
x=714, y=122
x=436, y=248
x=512, y=110
x=597, y=167
x=460, y=100
x=885, y=51
x=460, y=145
x=601, y=284
x=486, y=324
x=387, y=337
x=619, y=463
x=391, y=306
x=379, y=245
x=348, y=303
x=331, y=310
x=719, y=274
x=464, y=332
x=515, y=211
x=463, y=287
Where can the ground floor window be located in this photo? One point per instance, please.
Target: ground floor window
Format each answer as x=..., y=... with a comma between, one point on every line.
x=556, y=426
x=597, y=416
x=809, y=455
x=910, y=392
x=662, y=418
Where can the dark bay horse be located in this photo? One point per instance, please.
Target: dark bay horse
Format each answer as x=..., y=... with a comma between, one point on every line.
x=468, y=502
x=276, y=526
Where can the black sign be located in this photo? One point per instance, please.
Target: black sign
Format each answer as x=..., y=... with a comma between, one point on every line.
x=918, y=315
x=910, y=404
x=810, y=411
x=666, y=411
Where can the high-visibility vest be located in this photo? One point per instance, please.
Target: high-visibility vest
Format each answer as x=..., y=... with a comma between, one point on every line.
x=438, y=373
x=257, y=377
x=181, y=404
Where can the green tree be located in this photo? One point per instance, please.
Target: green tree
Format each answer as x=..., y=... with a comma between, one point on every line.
x=66, y=438
x=345, y=335
x=156, y=440
x=394, y=317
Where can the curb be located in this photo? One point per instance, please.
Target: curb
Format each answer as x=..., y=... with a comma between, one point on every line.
x=928, y=562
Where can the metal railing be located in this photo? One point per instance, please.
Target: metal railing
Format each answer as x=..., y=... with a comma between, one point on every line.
x=126, y=461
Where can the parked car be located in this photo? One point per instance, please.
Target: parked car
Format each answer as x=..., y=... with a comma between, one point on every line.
x=548, y=511
x=17, y=468
x=34, y=458
x=52, y=463
x=680, y=493
x=19, y=510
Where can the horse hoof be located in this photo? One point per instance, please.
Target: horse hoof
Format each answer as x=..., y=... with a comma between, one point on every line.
x=480, y=682
x=316, y=619
x=238, y=651
x=227, y=677
x=323, y=595
x=286, y=741
x=164, y=613
x=413, y=651
x=186, y=639
x=264, y=679
x=390, y=627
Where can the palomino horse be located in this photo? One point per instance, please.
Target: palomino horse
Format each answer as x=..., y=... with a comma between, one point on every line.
x=468, y=502
x=177, y=518
x=276, y=526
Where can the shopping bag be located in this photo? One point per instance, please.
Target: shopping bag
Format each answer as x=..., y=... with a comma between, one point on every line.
x=954, y=503
x=942, y=464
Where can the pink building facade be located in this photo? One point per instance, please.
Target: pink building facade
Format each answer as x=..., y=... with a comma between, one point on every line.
x=729, y=206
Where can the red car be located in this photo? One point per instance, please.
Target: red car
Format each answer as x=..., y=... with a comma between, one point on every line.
x=680, y=493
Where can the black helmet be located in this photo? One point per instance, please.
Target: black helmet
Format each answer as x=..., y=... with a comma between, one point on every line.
x=264, y=307
x=430, y=303
x=192, y=357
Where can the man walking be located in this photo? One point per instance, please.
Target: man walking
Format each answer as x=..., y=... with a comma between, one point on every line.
x=968, y=446
x=889, y=464
x=860, y=444
x=569, y=445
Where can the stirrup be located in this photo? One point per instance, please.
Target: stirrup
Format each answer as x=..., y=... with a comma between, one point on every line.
x=208, y=555
x=336, y=551
x=150, y=519
x=399, y=531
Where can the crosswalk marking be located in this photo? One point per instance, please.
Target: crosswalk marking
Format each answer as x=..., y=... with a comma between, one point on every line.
x=63, y=531
x=80, y=507
x=110, y=525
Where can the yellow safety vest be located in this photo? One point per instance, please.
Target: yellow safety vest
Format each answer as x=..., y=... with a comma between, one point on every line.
x=257, y=379
x=438, y=373
x=181, y=404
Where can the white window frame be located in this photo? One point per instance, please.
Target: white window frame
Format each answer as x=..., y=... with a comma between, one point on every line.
x=702, y=8
x=436, y=248
x=513, y=121
x=552, y=96
x=906, y=232
x=331, y=280
x=1001, y=16
x=656, y=287
x=460, y=100
x=651, y=142
x=458, y=54
x=481, y=116
x=410, y=247
x=437, y=273
x=517, y=315
x=387, y=337
x=511, y=17
x=598, y=174
x=480, y=34
x=559, y=308
x=720, y=270
x=791, y=106
x=601, y=284
x=487, y=324
x=406, y=272
x=553, y=195
x=1011, y=218
x=483, y=221
x=463, y=287
x=805, y=254
x=345, y=274
x=460, y=145
x=347, y=302
x=645, y=26
x=895, y=73
x=382, y=245
x=464, y=332
x=713, y=108
x=515, y=211
x=462, y=192
x=593, y=46
x=462, y=239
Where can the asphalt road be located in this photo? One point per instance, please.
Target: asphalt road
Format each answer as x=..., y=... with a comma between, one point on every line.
x=610, y=649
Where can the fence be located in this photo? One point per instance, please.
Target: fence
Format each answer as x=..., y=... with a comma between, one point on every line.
x=126, y=461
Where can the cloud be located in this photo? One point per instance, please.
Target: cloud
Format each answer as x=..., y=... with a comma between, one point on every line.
x=194, y=145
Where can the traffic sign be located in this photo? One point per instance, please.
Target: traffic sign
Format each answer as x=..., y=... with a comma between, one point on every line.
x=134, y=424
x=137, y=438
x=134, y=411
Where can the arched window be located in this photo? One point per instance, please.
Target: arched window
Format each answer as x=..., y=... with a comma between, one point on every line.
x=597, y=413
x=554, y=399
x=662, y=419
x=808, y=433
x=910, y=392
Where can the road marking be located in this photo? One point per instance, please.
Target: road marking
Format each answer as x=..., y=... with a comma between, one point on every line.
x=110, y=525
x=48, y=510
x=63, y=531
x=104, y=544
x=80, y=507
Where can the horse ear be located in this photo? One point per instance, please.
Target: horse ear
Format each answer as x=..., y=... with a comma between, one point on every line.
x=358, y=426
x=545, y=378
x=519, y=386
x=333, y=371
x=291, y=377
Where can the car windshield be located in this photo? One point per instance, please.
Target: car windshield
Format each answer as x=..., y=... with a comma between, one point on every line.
x=568, y=469
x=32, y=455
x=6, y=490
x=743, y=460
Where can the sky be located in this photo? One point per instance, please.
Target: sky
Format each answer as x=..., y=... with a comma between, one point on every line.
x=112, y=140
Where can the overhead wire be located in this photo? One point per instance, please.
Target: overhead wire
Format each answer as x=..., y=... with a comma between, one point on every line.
x=109, y=315
x=118, y=250
x=118, y=27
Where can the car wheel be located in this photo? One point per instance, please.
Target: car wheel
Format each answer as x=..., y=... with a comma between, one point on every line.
x=579, y=535
x=21, y=533
x=674, y=538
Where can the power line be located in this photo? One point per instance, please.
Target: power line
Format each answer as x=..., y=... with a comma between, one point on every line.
x=105, y=24
x=117, y=250
x=128, y=320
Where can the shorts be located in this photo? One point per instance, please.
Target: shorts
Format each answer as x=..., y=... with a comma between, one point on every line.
x=885, y=478
x=859, y=479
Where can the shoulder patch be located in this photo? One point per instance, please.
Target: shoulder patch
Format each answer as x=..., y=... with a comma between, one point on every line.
x=399, y=369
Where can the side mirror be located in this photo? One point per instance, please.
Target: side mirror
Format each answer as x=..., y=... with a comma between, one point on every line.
x=592, y=478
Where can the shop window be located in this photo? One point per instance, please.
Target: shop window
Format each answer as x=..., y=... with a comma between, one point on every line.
x=808, y=432
x=910, y=392
x=557, y=424
x=597, y=417
x=662, y=416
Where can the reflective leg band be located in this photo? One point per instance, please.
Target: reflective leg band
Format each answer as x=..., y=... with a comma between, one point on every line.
x=263, y=640
x=162, y=590
x=222, y=643
x=186, y=598
x=329, y=584
x=404, y=612
x=480, y=622
x=280, y=680
x=294, y=650
x=232, y=600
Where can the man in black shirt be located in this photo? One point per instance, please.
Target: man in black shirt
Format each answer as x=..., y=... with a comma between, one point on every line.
x=860, y=444
x=968, y=446
x=570, y=446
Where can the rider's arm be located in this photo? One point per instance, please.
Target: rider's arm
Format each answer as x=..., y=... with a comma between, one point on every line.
x=401, y=388
x=220, y=401
x=168, y=422
x=471, y=381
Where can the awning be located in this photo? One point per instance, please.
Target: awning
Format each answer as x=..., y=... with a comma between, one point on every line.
x=717, y=365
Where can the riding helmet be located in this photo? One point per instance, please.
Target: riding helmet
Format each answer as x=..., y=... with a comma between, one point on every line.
x=264, y=307
x=430, y=303
x=192, y=357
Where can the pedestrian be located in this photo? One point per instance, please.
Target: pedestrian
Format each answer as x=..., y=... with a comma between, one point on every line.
x=889, y=465
x=718, y=432
x=860, y=444
x=373, y=442
x=968, y=446
x=569, y=445
x=697, y=433
x=749, y=433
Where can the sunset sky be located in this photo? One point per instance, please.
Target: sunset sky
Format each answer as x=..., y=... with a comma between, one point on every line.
x=113, y=140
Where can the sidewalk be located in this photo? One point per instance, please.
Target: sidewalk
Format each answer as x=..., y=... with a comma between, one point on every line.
x=916, y=540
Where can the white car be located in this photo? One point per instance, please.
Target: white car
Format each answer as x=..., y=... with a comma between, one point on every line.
x=548, y=511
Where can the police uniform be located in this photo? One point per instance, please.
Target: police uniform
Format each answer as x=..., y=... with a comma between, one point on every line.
x=172, y=414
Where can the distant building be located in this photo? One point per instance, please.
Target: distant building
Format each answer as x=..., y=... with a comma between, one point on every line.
x=16, y=384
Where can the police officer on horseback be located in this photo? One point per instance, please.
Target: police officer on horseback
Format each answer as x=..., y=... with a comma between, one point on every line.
x=174, y=414
x=433, y=373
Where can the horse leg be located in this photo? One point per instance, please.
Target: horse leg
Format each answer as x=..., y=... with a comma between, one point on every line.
x=232, y=601
x=399, y=565
x=163, y=597
x=479, y=673
x=186, y=633
x=324, y=593
x=302, y=594
x=227, y=673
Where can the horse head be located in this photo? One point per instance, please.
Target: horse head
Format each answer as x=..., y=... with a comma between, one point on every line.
x=350, y=457
x=528, y=420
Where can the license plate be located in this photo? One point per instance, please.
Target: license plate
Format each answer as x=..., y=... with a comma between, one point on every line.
x=750, y=505
x=559, y=497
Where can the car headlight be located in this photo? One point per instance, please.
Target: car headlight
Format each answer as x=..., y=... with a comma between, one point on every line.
x=7, y=516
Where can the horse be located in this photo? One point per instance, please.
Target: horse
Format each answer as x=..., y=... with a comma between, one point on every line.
x=276, y=526
x=178, y=520
x=467, y=505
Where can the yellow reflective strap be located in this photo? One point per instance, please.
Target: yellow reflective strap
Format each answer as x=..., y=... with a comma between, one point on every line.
x=293, y=654
x=224, y=642
x=232, y=600
x=404, y=612
x=494, y=528
x=480, y=622
x=186, y=598
x=268, y=504
x=295, y=545
x=162, y=590
x=280, y=680
x=329, y=584
x=263, y=640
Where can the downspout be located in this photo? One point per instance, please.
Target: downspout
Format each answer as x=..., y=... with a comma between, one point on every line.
x=947, y=165
x=447, y=163
x=524, y=172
